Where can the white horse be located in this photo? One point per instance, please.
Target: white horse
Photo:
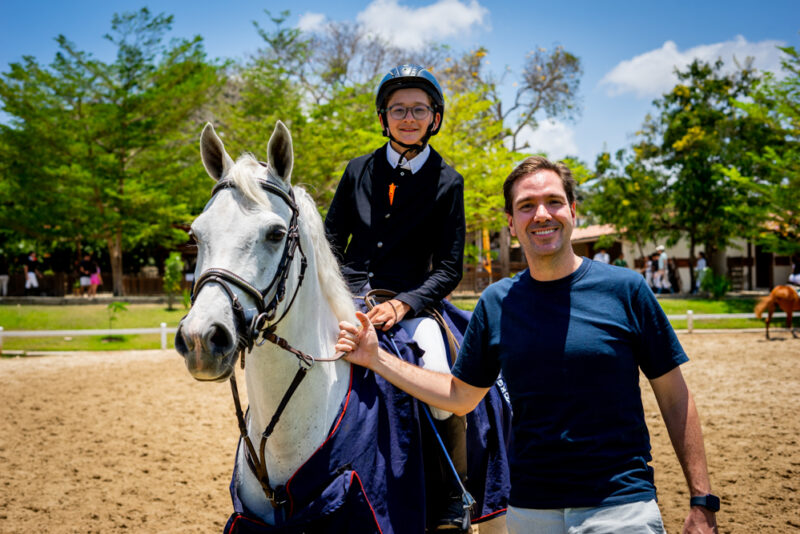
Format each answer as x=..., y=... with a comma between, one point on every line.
x=253, y=238
x=242, y=230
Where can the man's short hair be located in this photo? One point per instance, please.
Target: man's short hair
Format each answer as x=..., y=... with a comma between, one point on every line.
x=533, y=165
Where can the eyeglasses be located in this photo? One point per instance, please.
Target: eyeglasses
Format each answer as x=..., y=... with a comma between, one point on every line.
x=399, y=112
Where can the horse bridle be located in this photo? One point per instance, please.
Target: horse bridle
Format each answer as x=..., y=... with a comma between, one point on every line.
x=263, y=324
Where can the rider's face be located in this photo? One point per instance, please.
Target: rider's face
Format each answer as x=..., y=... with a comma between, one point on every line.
x=409, y=130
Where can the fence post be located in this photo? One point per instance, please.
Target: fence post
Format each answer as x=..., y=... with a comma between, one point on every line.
x=689, y=320
x=163, y=336
x=1, y=340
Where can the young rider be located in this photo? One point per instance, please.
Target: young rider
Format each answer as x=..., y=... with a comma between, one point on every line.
x=397, y=223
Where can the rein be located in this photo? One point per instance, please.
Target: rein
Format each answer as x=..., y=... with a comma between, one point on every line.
x=263, y=324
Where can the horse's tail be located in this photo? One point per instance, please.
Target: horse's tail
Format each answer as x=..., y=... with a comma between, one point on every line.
x=762, y=305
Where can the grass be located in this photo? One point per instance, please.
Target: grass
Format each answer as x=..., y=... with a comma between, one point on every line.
x=88, y=316
x=91, y=316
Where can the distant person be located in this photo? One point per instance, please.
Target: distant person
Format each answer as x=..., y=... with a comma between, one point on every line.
x=602, y=256
x=649, y=271
x=3, y=276
x=85, y=269
x=700, y=267
x=661, y=277
x=794, y=278
x=31, y=270
x=620, y=261
x=95, y=280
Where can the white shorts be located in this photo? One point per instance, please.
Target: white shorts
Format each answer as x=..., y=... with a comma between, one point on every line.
x=86, y=281
x=631, y=518
x=31, y=281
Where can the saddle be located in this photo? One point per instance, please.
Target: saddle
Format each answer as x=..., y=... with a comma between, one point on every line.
x=379, y=296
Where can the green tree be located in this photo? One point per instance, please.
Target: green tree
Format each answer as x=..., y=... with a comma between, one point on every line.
x=698, y=132
x=113, y=142
x=623, y=192
x=773, y=185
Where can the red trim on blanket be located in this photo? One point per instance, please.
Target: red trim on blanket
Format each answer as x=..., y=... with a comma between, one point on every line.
x=333, y=431
x=489, y=516
x=242, y=517
x=364, y=492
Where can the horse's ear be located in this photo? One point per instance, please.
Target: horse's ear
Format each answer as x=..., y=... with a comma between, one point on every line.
x=280, y=153
x=215, y=159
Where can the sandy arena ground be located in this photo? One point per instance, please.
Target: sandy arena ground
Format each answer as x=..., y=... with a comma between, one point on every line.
x=129, y=442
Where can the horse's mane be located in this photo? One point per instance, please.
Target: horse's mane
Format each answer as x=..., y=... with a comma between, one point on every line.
x=243, y=175
x=330, y=275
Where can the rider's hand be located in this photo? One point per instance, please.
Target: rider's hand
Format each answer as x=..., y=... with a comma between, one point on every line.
x=388, y=313
x=360, y=343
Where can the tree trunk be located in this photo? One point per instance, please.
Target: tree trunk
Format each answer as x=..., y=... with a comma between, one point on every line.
x=692, y=263
x=115, y=255
x=505, y=252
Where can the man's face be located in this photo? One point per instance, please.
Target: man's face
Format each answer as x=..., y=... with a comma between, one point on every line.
x=542, y=218
x=409, y=130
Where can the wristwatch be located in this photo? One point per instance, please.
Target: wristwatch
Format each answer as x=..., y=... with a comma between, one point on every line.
x=710, y=502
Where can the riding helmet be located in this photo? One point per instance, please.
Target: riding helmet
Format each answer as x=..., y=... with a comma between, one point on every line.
x=410, y=76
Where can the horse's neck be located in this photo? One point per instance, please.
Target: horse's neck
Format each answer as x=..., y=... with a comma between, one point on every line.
x=312, y=328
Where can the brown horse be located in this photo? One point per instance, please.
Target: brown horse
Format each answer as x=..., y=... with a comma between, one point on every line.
x=786, y=298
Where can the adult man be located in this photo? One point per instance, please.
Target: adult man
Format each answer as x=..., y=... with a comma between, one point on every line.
x=570, y=336
x=620, y=261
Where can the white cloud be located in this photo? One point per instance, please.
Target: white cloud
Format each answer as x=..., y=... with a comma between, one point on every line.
x=413, y=27
x=651, y=74
x=552, y=137
x=311, y=22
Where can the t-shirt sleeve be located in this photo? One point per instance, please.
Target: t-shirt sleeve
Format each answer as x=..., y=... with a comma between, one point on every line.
x=659, y=351
x=477, y=363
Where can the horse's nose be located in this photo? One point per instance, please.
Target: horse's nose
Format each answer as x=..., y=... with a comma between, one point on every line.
x=218, y=340
x=183, y=343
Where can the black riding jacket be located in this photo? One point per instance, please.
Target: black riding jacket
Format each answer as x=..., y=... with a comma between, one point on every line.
x=415, y=246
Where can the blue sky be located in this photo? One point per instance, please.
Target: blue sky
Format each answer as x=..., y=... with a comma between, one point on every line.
x=628, y=49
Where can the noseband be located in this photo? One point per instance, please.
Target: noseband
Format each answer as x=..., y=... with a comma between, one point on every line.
x=263, y=323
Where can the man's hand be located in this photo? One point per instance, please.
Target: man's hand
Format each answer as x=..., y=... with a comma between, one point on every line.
x=700, y=521
x=360, y=344
x=388, y=313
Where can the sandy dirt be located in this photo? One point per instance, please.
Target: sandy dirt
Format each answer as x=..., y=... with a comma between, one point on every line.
x=129, y=442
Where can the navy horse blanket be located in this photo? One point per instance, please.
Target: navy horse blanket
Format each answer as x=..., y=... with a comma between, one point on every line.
x=368, y=476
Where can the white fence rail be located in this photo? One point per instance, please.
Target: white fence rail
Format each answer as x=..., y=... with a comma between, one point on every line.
x=163, y=330
x=690, y=317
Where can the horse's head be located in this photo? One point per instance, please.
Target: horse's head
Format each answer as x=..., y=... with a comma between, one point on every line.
x=242, y=238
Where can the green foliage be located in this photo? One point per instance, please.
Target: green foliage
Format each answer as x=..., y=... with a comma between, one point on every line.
x=605, y=241
x=627, y=194
x=173, y=274
x=115, y=307
x=112, y=141
x=715, y=285
x=772, y=187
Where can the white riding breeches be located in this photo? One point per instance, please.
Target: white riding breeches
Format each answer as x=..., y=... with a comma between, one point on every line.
x=428, y=335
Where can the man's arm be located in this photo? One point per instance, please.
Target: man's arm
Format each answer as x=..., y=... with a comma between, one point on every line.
x=441, y=390
x=683, y=425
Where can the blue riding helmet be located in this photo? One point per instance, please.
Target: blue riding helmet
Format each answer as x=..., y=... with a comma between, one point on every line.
x=410, y=76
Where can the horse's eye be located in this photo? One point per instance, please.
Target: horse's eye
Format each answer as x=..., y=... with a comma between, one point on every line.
x=276, y=234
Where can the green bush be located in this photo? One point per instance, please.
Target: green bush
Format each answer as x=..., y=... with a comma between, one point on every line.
x=173, y=271
x=715, y=285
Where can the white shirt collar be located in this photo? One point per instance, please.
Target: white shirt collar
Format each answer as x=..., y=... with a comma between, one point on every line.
x=415, y=164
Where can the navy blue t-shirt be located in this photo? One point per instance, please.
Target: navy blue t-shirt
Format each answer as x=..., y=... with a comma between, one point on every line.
x=570, y=351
